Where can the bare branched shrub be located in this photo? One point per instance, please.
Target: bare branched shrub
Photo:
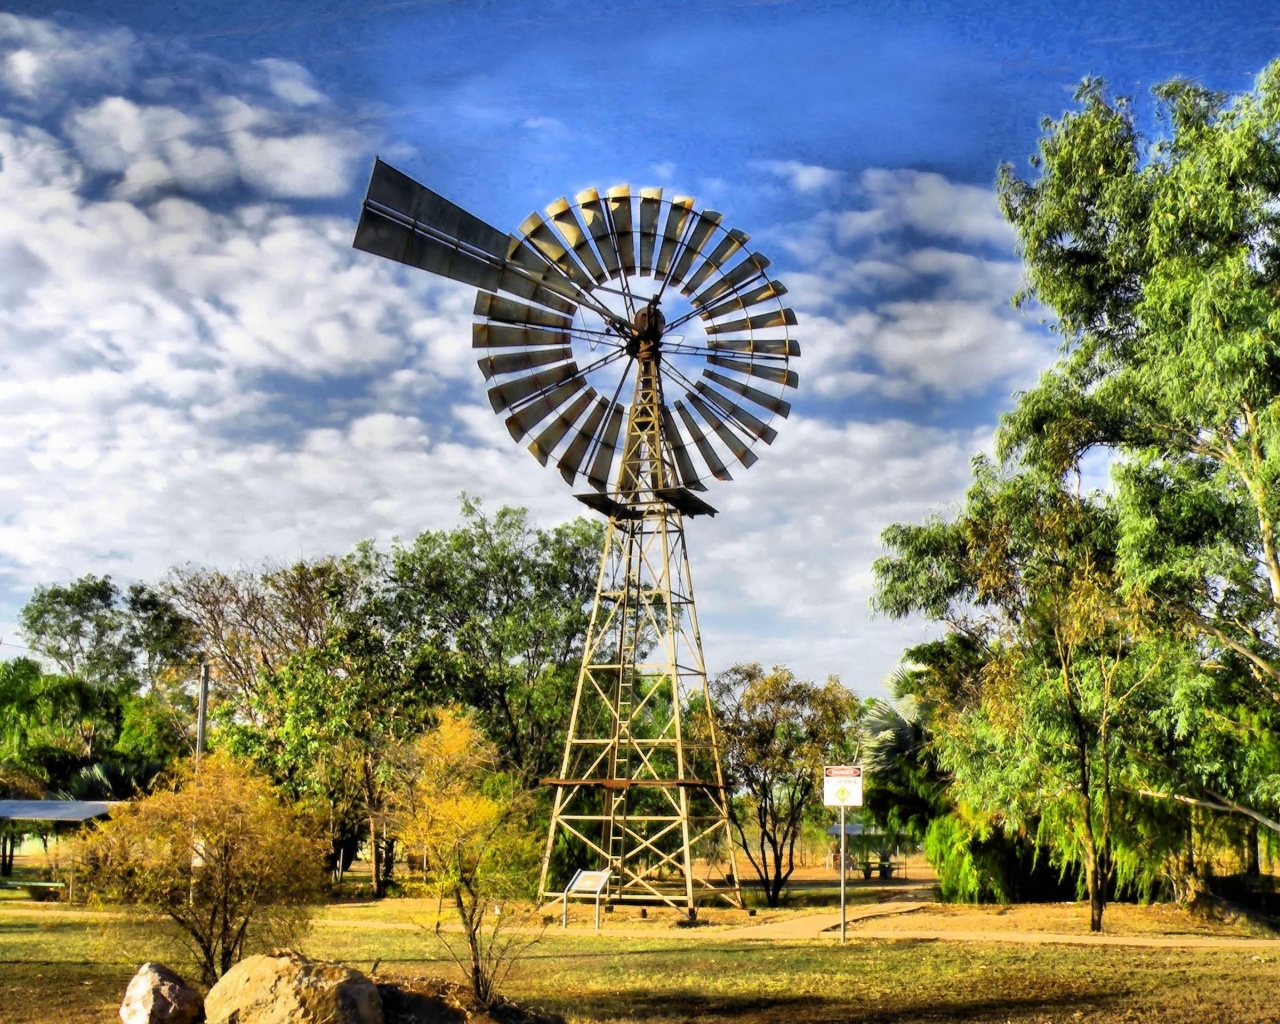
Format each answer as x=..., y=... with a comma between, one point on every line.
x=471, y=821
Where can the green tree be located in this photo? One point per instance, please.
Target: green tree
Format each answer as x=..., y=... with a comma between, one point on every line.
x=326, y=721
x=498, y=610
x=1054, y=717
x=777, y=732
x=1158, y=258
x=125, y=661
x=232, y=868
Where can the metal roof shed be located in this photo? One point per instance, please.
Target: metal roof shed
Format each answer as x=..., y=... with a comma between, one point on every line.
x=54, y=810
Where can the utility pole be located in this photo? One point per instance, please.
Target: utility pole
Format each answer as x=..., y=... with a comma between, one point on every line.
x=203, y=712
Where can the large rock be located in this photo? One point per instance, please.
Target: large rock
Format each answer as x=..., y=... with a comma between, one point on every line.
x=158, y=996
x=288, y=988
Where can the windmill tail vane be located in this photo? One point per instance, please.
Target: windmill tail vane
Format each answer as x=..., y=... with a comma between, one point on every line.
x=639, y=345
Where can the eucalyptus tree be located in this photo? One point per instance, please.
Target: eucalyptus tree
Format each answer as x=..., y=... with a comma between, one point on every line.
x=1159, y=260
x=497, y=611
x=1046, y=717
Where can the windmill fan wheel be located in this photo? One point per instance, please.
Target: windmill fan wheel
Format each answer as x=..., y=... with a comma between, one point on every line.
x=608, y=283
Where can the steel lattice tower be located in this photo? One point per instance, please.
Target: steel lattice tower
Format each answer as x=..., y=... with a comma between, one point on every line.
x=641, y=784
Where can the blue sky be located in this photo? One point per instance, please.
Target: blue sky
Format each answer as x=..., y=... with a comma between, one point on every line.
x=195, y=366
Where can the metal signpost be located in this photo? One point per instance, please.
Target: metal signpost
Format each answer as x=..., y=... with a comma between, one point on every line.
x=842, y=787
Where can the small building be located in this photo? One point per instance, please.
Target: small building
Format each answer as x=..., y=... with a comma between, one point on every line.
x=55, y=812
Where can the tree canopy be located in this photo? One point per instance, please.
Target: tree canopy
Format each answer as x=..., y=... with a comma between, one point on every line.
x=1112, y=660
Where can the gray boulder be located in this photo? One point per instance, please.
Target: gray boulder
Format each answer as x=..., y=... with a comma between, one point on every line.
x=158, y=996
x=288, y=988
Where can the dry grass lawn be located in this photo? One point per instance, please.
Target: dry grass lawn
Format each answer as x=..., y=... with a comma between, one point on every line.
x=57, y=966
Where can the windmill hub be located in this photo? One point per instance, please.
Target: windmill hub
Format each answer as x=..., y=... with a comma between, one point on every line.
x=646, y=332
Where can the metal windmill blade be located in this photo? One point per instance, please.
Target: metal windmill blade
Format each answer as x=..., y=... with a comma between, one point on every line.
x=573, y=306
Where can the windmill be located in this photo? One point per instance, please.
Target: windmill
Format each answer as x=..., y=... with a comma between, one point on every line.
x=637, y=344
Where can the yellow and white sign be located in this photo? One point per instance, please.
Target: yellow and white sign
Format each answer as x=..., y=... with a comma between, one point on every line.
x=842, y=785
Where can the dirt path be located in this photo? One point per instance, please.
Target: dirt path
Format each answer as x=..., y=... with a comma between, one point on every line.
x=1052, y=938
x=818, y=927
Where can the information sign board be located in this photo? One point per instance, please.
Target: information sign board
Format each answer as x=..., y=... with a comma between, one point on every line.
x=842, y=785
x=592, y=882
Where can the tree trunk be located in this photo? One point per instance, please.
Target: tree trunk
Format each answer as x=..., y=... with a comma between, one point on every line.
x=1253, y=864
x=388, y=858
x=1094, y=879
x=375, y=857
x=1097, y=900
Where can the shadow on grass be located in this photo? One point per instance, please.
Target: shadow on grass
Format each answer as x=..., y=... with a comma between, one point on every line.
x=810, y=1009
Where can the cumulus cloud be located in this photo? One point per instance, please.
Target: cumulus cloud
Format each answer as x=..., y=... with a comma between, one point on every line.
x=804, y=178
x=927, y=203
x=193, y=366
x=789, y=557
x=129, y=112
x=187, y=377
x=906, y=294
x=41, y=62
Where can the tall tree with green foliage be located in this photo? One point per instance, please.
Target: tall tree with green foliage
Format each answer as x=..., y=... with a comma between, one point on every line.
x=119, y=706
x=326, y=721
x=1159, y=259
x=1050, y=727
x=498, y=611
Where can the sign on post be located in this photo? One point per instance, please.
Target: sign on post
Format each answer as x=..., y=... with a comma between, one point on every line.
x=842, y=785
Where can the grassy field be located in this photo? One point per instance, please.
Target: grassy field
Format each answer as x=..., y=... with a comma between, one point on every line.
x=70, y=967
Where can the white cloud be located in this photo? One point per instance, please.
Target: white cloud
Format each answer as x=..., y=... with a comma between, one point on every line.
x=927, y=203
x=884, y=314
x=215, y=376
x=40, y=62
x=788, y=560
x=292, y=83
x=806, y=179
